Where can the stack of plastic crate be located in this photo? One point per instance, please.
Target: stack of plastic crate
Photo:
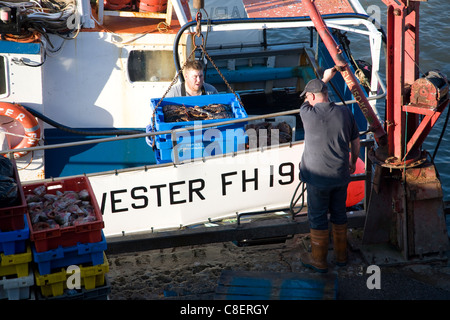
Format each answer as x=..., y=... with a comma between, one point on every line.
x=201, y=142
x=70, y=261
x=16, y=277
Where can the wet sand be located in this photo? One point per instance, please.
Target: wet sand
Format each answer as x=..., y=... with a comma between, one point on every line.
x=192, y=272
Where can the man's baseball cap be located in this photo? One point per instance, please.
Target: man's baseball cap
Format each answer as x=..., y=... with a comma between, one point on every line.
x=315, y=86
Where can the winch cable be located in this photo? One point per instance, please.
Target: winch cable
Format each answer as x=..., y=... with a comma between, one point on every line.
x=51, y=17
x=178, y=75
x=202, y=46
x=82, y=132
x=294, y=202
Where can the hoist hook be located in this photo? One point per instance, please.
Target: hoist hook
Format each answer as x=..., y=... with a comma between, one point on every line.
x=198, y=31
x=198, y=4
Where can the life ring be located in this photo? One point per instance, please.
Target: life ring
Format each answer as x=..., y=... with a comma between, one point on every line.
x=27, y=120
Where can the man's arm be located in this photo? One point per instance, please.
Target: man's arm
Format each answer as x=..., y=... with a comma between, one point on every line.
x=354, y=148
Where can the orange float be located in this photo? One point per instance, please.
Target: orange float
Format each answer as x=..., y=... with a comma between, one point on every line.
x=152, y=5
x=117, y=4
x=355, y=190
x=29, y=123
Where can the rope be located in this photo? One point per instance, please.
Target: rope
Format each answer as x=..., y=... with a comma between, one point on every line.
x=442, y=135
x=29, y=37
x=19, y=135
x=359, y=73
x=294, y=202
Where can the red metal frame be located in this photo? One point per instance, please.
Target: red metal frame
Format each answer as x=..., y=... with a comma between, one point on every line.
x=401, y=72
x=405, y=131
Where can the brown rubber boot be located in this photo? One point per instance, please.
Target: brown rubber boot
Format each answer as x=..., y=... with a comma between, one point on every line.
x=340, y=243
x=317, y=259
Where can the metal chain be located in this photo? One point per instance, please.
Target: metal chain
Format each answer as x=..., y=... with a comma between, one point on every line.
x=221, y=75
x=172, y=83
x=198, y=33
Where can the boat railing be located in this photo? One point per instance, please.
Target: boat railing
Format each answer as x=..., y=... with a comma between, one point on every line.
x=174, y=132
x=338, y=21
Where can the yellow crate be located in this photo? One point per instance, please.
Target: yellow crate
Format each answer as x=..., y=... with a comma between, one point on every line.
x=53, y=284
x=15, y=264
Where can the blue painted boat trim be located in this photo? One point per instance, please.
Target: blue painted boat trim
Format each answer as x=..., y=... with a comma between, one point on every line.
x=91, y=158
x=259, y=73
x=18, y=47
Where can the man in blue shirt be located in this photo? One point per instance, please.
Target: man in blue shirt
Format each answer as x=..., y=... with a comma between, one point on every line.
x=325, y=167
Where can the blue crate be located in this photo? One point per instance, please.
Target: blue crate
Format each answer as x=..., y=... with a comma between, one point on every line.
x=159, y=123
x=158, y=158
x=74, y=255
x=185, y=152
x=197, y=143
x=13, y=242
x=228, y=98
x=206, y=136
x=199, y=149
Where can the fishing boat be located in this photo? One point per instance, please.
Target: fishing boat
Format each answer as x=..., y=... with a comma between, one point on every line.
x=88, y=78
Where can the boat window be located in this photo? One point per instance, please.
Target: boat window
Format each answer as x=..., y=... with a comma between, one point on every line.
x=151, y=65
x=3, y=84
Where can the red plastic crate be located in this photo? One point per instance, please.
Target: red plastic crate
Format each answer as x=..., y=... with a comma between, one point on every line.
x=11, y=218
x=89, y=232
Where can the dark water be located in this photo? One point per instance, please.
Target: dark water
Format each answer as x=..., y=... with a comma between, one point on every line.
x=434, y=46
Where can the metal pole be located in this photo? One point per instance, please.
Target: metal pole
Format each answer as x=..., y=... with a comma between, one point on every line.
x=335, y=52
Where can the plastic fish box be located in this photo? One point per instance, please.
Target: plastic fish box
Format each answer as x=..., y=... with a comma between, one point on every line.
x=11, y=218
x=222, y=134
x=99, y=293
x=16, y=288
x=15, y=264
x=82, y=253
x=12, y=242
x=199, y=149
x=159, y=123
x=53, y=284
x=89, y=232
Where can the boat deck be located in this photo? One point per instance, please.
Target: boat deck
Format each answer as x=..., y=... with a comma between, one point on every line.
x=253, y=8
x=135, y=25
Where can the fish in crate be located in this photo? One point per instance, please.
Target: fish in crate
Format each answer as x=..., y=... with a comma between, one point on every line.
x=65, y=209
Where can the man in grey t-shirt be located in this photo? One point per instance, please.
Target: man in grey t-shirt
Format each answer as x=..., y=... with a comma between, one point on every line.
x=325, y=167
x=193, y=84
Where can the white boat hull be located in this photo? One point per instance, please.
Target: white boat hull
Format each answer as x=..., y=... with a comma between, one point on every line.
x=167, y=197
